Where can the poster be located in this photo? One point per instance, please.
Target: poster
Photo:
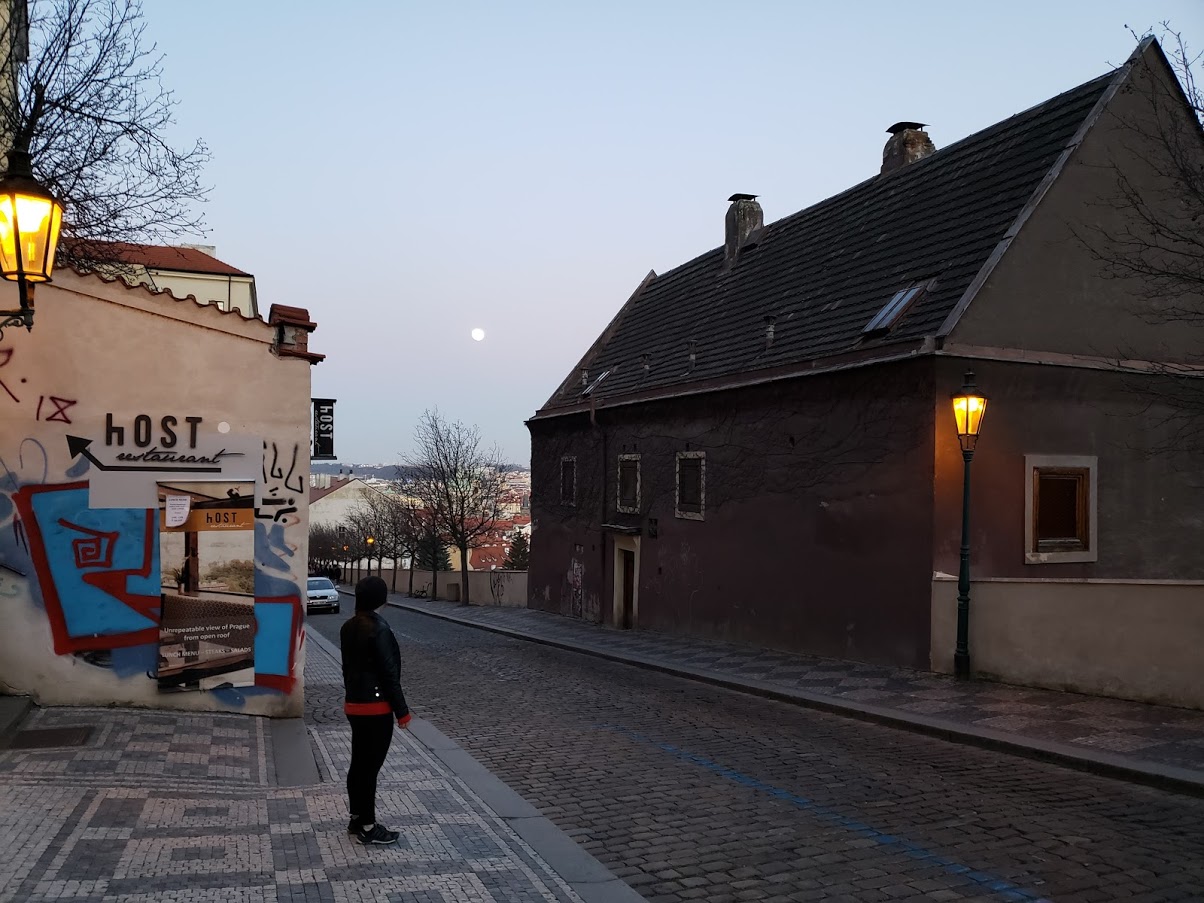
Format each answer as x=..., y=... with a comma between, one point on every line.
x=207, y=546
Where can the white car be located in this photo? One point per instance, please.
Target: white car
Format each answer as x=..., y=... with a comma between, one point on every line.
x=321, y=595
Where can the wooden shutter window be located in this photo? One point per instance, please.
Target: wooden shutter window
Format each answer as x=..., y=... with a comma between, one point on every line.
x=1061, y=509
x=629, y=483
x=568, y=481
x=689, y=484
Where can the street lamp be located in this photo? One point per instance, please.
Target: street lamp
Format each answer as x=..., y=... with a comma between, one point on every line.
x=371, y=541
x=969, y=406
x=347, y=558
x=30, y=219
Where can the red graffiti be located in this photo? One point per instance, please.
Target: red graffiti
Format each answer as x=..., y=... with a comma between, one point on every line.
x=59, y=415
x=94, y=552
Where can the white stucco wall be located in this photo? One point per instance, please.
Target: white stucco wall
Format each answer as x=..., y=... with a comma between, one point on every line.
x=334, y=509
x=1131, y=639
x=229, y=292
x=104, y=353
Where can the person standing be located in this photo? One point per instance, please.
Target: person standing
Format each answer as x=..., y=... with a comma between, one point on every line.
x=374, y=702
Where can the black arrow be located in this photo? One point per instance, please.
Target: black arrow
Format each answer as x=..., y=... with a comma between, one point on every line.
x=79, y=446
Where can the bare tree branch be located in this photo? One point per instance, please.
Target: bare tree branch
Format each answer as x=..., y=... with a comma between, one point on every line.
x=83, y=94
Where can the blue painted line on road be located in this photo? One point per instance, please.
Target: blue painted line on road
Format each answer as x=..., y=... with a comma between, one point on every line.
x=994, y=883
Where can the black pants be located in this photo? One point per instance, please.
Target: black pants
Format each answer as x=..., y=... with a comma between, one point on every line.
x=370, y=739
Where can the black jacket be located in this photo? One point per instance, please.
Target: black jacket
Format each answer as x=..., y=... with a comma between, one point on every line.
x=372, y=662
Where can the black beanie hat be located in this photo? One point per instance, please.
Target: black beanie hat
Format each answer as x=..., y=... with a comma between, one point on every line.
x=370, y=594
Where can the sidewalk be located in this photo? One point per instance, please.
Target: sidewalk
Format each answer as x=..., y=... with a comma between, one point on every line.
x=151, y=806
x=1159, y=745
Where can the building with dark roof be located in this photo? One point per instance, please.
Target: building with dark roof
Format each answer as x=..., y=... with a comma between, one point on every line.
x=759, y=446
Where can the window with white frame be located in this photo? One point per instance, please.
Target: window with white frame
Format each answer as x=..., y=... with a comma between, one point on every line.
x=1060, y=509
x=691, y=484
x=568, y=480
x=629, y=484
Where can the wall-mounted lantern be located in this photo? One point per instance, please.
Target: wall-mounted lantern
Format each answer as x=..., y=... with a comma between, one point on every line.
x=30, y=219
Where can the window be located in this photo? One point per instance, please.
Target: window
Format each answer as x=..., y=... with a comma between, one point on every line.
x=1060, y=522
x=691, y=484
x=886, y=318
x=568, y=480
x=629, y=484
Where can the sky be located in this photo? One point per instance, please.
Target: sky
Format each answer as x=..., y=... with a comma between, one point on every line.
x=411, y=171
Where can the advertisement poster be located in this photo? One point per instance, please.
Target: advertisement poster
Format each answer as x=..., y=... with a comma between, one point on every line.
x=207, y=550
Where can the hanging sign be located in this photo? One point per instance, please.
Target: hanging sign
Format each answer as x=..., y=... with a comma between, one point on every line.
x=323, y=429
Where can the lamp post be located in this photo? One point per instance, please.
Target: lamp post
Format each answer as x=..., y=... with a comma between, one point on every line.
x=969, y=406
x=30, y=219
x=347, y=557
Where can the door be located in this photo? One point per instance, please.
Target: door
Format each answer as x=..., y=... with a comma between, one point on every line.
x=628, y=587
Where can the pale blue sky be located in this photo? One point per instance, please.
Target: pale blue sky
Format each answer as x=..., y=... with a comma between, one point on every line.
x=520, y=166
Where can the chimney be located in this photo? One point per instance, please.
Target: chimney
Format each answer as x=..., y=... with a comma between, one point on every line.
x=908, y=142
x=744, y=217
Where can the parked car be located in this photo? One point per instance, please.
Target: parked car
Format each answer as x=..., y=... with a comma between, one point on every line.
x=321, y=595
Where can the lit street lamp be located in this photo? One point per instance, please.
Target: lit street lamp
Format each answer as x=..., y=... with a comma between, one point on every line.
x=30, y=218
x=969, y=406
x=371, y=541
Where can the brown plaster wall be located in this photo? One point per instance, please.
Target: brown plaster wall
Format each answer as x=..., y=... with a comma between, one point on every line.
x=1150, y=502
x=818, y=514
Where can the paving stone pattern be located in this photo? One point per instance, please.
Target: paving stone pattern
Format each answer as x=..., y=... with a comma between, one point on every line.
x=689, y=791
x=167, y=807
x=1163, y=735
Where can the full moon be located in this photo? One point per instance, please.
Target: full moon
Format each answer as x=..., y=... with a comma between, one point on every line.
x=478, y=334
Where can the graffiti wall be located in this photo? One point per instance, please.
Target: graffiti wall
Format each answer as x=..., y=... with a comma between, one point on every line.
x=153, y=456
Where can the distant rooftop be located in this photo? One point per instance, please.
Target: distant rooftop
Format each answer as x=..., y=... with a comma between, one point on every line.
x=160, y=257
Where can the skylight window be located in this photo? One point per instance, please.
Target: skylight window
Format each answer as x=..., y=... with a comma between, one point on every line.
x=889, y=315
x=589, y=389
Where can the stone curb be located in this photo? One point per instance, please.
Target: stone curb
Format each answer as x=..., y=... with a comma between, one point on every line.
x=1166, y=777
x=13, y=710
x=589, y=878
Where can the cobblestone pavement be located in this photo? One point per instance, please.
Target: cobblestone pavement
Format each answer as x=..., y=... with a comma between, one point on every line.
x=183, y=807
x=694, y=792
x=1132, y=732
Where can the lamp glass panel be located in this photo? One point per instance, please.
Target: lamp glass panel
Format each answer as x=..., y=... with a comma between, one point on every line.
x=37, y=219
x=969, y=411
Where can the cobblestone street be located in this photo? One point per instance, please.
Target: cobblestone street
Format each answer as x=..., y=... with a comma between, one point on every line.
x=689, y=791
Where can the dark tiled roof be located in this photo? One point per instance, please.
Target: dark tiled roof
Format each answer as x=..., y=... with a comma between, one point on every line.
x=824, y=272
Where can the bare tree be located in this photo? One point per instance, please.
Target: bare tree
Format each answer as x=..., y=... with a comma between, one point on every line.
x=82, y=94
x=459, y=481
x=325, y=549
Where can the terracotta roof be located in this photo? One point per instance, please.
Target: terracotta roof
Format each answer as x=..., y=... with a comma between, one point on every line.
x=823, y=273
x=293, y=316
x=159, y=257
x=336, y=483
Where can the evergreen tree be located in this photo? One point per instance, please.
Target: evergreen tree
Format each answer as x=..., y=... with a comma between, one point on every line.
x=422, y=557
x=519, y=556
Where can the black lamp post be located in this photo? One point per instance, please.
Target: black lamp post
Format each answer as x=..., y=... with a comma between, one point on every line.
x=30, y=218
x=371, y=540
x=969, y=406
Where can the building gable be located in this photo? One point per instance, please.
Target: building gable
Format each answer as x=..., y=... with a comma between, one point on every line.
x=1055, y=292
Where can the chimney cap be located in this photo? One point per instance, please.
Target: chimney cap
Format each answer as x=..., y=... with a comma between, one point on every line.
x=903, y=126
x=743, y=197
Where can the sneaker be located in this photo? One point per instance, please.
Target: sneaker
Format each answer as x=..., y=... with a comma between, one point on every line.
x=377, y=834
